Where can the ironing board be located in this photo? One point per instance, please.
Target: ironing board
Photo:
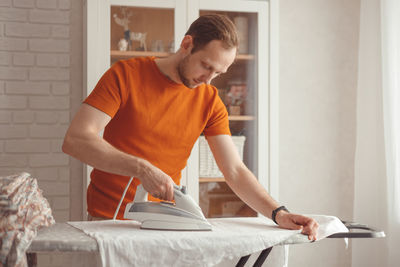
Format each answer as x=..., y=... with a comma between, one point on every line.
x=366, y=232
x=63, y=237
x=60, y=237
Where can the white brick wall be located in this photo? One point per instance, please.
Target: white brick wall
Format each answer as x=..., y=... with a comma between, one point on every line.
x=35, y=95
x=37, y=38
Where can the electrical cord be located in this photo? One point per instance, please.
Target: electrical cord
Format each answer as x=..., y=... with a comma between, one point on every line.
x=122, y=198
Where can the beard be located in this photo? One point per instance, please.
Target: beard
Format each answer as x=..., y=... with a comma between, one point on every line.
x=182, y=69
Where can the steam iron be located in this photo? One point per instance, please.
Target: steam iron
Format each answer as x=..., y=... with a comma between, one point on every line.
x=184, y=214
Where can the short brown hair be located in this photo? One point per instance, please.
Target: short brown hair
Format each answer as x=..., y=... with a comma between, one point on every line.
x=213, y=27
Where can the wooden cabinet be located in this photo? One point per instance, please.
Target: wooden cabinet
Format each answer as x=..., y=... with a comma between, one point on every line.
x=249, y=88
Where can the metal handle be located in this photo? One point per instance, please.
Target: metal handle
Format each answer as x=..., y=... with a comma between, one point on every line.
x=369, y=232
x=141, y=194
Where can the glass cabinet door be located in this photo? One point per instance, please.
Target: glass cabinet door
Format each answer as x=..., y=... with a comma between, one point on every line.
x=239, y=90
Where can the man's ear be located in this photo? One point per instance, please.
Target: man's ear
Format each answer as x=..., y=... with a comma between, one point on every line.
x=187, y=43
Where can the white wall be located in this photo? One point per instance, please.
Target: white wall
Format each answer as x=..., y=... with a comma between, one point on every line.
x=318, y=82
x=35, y=94
x=40, y=73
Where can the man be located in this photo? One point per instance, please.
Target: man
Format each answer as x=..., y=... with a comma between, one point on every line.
x=152, y=112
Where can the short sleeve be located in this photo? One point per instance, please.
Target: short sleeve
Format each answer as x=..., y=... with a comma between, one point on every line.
x=218, y=122
x=107, y=95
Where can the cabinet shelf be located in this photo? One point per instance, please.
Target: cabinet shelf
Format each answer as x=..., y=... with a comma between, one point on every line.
x=245, y=57
x=241, y=118
x=116, y=55
x=211, y=179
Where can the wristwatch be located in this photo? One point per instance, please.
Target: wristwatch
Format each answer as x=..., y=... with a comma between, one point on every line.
x=275, y=211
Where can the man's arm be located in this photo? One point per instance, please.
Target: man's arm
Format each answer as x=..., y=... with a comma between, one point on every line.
x=82, y=141
x=242, y=181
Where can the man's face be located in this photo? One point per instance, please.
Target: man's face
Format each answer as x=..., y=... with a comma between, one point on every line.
x=205, y=64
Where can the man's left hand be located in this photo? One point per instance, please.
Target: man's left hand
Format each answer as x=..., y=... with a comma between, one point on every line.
x=293, y=221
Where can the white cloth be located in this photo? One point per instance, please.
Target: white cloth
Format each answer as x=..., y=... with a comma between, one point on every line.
x=123, y=243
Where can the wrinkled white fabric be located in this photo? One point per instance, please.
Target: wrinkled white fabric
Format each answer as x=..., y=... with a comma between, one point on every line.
x=123, y=243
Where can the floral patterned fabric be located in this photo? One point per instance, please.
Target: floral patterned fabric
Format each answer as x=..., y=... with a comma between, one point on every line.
x=23, y=210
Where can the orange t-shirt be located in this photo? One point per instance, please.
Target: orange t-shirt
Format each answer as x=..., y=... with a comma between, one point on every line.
x=152, y=118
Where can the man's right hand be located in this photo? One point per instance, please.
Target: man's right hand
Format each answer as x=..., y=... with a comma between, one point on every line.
x=156, y=182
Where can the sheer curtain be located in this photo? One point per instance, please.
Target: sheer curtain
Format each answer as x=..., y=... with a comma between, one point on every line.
x=390, y=29
x=377, y=159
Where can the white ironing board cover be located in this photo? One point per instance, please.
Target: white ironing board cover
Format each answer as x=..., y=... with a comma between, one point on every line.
x=123, y=243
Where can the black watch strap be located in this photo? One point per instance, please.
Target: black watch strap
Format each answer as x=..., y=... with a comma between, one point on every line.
x=275, y=211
